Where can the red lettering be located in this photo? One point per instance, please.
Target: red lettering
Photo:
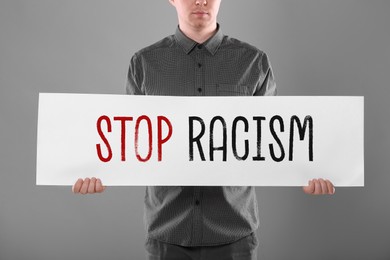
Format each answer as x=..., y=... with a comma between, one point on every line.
x=163, y=123
x=105, y=141
x=160, y=140
x=123, y=120
x=137, y=123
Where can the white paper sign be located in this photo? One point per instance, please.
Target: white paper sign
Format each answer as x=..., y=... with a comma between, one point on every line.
x=216, y=141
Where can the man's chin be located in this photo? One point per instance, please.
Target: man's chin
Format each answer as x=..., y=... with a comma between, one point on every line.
x=201, y=24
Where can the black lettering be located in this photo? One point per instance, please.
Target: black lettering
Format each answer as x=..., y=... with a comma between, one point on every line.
x=271, y=147
x=196, y=139
x=301, y=130
x=234, y=138
x=224, y=136
x=258, y=157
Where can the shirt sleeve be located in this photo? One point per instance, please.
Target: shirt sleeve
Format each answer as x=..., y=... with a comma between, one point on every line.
x=133, y=84
x=266, y=85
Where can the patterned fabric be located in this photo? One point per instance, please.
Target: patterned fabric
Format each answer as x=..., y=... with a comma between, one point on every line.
x=222, y=66
x=242, y=249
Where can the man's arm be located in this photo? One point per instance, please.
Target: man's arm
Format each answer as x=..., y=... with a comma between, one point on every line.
x=267, y=87
x=134, y=77
x=94, y=185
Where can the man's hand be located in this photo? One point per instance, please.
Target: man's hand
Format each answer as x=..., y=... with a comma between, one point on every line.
x=319, y=187
x=88, y=186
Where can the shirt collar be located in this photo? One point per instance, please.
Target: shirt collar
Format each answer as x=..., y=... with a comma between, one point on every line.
x=212, y=44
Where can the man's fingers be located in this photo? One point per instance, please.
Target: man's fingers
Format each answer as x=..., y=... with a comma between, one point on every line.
x=99, y=186
x=317, y=187
x=331, y=188
x=77, y=186
x=309, y=189
x=91, y=186
x=324, y=186
x=84, y=188
x=88, y=186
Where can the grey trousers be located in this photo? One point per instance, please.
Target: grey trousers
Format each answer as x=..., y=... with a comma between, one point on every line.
x=243, y=249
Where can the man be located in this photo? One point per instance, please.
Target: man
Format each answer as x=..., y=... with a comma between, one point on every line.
x=198, y=60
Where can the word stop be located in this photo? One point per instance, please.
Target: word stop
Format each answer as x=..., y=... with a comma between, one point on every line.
x=123, y=121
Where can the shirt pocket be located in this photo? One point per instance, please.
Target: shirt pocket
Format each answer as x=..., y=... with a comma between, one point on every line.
x=232, y=90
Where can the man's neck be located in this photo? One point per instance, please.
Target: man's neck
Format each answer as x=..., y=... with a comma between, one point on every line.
x=199, y=35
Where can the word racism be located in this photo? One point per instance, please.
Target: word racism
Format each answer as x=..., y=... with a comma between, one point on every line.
x=197, y=139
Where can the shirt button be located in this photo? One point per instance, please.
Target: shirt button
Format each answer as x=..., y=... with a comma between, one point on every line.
x=199, y=65
x=200, y=46
x=197, y=202
x=199, y=90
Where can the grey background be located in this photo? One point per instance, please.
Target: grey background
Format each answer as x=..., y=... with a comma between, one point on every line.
x=316, y=48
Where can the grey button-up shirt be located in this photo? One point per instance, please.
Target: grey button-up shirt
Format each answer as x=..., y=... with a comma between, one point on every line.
x=222, y=66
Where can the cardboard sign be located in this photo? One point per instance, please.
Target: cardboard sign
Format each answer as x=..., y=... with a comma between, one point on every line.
x=205, y=141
